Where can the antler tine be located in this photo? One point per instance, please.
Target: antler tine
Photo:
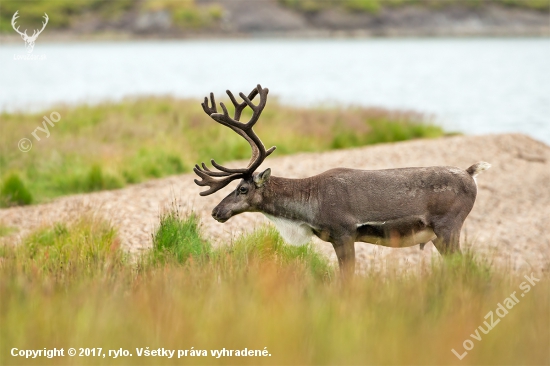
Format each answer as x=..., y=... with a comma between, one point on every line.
x=207, y=178
x=257, y=109
x=205, y=169
x=223, y=171
x=239, y=107
x=214, y=184
x=228, y=170
x=209, y=110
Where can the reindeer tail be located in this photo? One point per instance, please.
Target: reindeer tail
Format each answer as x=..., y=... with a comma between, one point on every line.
x=477, y=168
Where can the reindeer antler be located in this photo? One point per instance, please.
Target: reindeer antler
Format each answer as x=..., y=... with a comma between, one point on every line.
x=259, y=153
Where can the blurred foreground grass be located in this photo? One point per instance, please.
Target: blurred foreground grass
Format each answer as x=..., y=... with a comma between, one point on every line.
x=109, y=145
x=70, y=285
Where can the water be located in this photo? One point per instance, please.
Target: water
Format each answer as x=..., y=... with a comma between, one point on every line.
x=471, y=85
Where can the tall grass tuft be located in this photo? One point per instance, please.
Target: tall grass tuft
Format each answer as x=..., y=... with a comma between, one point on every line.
x=178, y=238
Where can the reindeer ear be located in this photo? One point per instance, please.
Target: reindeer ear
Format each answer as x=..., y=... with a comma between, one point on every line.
x=261, y=178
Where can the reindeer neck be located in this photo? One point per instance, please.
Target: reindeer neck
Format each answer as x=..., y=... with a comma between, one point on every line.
x=289, y=198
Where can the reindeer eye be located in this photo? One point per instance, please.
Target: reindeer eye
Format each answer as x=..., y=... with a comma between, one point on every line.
x=243, y=190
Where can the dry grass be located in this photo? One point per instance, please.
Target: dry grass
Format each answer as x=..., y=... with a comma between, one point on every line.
x=69, y=286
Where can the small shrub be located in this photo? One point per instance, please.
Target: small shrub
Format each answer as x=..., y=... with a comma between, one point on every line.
x=215, y=12
x=14, y=192
x=369, y=6
x=188, y=17
x=96, y=180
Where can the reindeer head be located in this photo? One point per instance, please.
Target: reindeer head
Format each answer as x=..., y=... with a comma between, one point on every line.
x=29, y=41
x=248, y=192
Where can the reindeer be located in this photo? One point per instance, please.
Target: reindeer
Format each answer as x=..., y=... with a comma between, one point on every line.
x=29, y=41
x=392, y=207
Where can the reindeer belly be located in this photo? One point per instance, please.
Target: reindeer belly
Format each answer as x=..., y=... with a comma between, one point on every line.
x=293, y=232
x=403, y=232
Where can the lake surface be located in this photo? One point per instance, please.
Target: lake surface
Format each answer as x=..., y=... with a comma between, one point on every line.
x=470, y=85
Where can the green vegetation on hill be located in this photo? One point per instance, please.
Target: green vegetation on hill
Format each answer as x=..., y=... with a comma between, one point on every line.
x=64, y=13
x=193, y=14
x=110, y=145
x=374, y=6
x=60, y=12
x=69, y=285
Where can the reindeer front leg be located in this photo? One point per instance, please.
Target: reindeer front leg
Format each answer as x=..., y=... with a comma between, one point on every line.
x=344, y=246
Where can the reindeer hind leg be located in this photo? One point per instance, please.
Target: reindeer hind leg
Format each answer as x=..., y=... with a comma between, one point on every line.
x=448, y=238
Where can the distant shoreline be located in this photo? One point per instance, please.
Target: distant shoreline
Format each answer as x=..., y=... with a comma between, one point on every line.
x=313, y=35
x=246, y=19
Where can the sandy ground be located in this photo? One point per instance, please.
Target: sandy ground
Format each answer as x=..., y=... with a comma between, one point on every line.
x=509, y=223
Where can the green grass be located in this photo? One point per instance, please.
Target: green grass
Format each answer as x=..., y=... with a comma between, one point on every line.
x=178, y=239
x=69, y=285
x=84, y=248
x=110, y=145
